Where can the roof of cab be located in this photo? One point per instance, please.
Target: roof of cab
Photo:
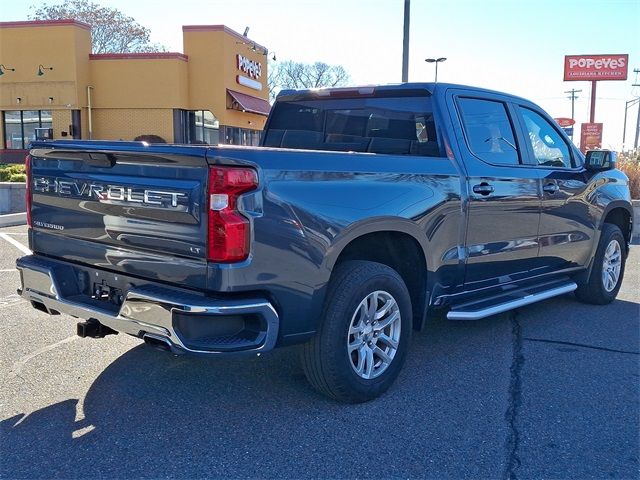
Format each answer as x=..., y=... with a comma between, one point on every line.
x=429, y=88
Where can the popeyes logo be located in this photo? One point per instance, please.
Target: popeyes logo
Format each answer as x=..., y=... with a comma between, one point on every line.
x=252, y=68
x=595, y=67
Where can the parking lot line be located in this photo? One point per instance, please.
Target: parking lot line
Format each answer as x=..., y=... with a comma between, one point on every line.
x=16, y=244
x=17, y=366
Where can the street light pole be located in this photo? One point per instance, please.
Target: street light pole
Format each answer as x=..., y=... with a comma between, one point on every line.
x=436, y=61
x=405, y=41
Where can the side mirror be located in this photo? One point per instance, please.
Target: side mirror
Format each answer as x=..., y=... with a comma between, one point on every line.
x=600, y=160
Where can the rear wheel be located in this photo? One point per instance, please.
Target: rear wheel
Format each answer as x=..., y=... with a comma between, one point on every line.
x=606, y=275
x=362, y=342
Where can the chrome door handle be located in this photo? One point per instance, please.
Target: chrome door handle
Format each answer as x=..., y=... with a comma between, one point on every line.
x=483, y=189
x=551, y=188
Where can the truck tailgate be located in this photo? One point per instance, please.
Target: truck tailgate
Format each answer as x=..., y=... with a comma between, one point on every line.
x=135, y=210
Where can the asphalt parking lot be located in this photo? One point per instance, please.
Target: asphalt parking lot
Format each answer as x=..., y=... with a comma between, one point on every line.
x=547, y=391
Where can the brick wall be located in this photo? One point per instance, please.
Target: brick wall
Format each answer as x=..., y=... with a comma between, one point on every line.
x=126, y=124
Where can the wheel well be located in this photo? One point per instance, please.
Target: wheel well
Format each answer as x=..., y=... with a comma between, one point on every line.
x=622, y=219
x=399, y=251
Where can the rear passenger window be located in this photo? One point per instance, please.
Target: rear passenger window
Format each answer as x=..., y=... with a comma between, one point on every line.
x=394, y=125
x=489, y=131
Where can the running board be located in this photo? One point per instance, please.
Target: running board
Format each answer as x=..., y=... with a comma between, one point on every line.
x=519, y=298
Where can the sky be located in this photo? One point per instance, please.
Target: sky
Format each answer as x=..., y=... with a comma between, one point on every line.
x=514, y=46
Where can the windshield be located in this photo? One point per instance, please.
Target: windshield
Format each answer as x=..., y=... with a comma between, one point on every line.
x=391, y=125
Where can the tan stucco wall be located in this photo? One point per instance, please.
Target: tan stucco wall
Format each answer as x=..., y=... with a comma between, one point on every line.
x=213, y=49
x=62, y=47
x=139, y=83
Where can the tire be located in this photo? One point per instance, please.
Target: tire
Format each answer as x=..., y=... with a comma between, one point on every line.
x=351, y=358
x=601, y=289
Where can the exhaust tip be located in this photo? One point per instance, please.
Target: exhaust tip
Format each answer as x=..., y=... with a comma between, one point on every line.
x=157, y=342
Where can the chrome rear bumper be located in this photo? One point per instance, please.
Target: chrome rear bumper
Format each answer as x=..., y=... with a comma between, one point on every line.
x=152, y=311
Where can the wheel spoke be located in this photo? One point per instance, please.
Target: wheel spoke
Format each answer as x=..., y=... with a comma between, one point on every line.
x=372, y=305
x=383, y=355
x=361, y=361
x=369, y=368
x=388, y=340
x=356, y=344
x=382, y=324
x=389, y=304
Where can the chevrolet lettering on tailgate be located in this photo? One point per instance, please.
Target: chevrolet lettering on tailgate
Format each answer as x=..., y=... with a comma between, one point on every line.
x=107, y=192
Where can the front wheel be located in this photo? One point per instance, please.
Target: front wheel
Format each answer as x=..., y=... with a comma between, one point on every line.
x=607, y=272
x=363, y=340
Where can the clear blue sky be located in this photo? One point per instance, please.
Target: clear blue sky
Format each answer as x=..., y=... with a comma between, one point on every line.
x=515, y=46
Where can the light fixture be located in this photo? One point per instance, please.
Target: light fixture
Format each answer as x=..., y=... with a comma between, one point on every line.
x=18, y=100
x=50, y=99
x=3, y=68
x=42, y=68
x=436, y=61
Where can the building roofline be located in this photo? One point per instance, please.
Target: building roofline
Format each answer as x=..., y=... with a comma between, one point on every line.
x=46, y=23
x=140, y=56
x=222, y=28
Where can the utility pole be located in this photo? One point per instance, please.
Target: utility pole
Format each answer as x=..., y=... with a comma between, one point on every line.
x=573, y=98
x=405, y=42
x=635, y=143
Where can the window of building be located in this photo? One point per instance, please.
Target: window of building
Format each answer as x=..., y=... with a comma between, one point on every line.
x=488, y=130
x=549, y=149
x=241, y=136
x=20, y=126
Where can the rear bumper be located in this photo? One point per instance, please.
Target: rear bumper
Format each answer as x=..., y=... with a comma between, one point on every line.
x=184, y=322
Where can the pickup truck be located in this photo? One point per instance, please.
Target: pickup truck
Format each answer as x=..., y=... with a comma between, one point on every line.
x=364, y=210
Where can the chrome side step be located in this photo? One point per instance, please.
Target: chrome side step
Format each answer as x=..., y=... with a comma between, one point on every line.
x=485, y=308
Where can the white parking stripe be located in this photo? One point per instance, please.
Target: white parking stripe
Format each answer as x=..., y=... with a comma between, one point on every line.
x=16, y=244
x=8, y=270
x=17, y=367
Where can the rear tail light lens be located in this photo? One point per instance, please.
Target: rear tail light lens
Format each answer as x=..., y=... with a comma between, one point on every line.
x=28, y=196
x=229, y=231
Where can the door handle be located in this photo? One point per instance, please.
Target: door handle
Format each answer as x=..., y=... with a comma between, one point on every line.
x=551, y=188
x=483, y=189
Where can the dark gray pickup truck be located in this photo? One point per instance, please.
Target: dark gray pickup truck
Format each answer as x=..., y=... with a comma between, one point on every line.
x=364, y=210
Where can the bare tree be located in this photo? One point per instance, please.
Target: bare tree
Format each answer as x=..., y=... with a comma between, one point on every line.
x=111, y=30
x=290, y=74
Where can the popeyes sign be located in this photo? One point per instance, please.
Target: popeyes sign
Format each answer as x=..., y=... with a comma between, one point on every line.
x=250, y=67
x=595, y=67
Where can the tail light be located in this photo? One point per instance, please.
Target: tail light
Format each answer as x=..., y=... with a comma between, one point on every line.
x=28, y=196
x=229, y=231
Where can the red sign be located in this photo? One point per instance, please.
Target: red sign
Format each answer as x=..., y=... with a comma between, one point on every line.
x=590, y=136
x=565, y=122
x=595, y=67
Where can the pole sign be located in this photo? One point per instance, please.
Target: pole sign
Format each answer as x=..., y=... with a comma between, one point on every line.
x=590, y=136
x=568, y=131
x=565, y=122
x=595, y=67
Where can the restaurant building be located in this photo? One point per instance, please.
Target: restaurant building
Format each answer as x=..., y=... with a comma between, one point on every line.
x=52, y=86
